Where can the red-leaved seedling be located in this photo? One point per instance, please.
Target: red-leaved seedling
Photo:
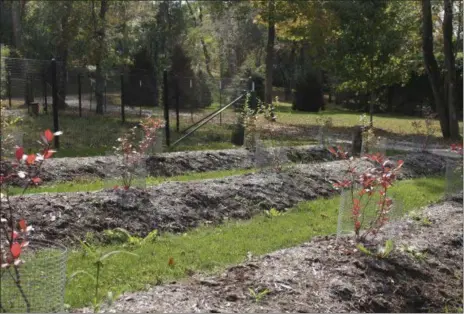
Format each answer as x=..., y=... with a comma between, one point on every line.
x=15, y=231
x=374, y=184
x=132, y=151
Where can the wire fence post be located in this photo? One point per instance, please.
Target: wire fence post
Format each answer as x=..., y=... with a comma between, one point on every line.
x=105, y=100
x=9, y=89
x=55, y=104
x=140, y=105
x=177, y=103
x=123, y=116
x=166, y=107
x=45, y=96
x=79, y=91
x=220, y=101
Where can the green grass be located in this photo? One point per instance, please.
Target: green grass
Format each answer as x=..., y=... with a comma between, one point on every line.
x=95, y=185
x=400, y=125
x=94, y=135
x=210, y=249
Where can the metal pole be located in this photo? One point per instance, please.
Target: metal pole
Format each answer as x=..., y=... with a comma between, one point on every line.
x=55, y=104
x=45, y=92
x=177, y=104
x=79, y=91
x=220, y=101
x=166, y=107
x=9, y=89
x=106, y=78
x=123, y=116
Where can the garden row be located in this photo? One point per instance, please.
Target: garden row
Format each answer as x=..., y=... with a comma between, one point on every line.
x=178, y=206
x=173, y=164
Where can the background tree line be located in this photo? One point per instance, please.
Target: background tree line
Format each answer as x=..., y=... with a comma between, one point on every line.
x=372, y=56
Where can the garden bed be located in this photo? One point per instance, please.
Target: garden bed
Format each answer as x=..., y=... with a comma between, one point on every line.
x=177, y=206
x=329, y=276
x=170, y=164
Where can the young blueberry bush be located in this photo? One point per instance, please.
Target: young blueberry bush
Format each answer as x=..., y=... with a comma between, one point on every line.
x=134, y=150
x=15, y=232
x=366, y=188
x=427, y=128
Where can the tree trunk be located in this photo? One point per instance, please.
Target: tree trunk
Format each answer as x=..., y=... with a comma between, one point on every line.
x=270, y=52
x=450, y=69
x=431, y=67
x=17, y=26
x=63, y=47
x=99, y=80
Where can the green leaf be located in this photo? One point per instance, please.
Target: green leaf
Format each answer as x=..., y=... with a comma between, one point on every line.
x=83, y=272
x=363, y=249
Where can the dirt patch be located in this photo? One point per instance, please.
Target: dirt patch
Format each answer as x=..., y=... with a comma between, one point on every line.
x=178, y=206
x=170, y=164
x=329, y=276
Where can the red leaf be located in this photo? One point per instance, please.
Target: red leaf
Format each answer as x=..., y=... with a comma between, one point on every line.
x=332, y=150
x=48, y=153
x=115, y=187
x=171, y=261
x=19, y=153
x=30, y=159
x=15, y=250
x=36, y=180
x=22, y=225
x=48, y=135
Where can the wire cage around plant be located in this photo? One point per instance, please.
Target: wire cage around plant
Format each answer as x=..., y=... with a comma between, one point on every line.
x=42, y=280
x=453, y=177
x=368, y=213
x=324, y=137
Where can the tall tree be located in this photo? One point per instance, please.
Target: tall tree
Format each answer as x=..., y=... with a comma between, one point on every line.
x=270, y=51
x=431, y=67
x=65, y=35
x=450, y=69
x=100, y=34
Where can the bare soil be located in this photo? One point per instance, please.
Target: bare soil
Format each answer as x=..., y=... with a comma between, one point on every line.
x=178, y=206
x=326, y=275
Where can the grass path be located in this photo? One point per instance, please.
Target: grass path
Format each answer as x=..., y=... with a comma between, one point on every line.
x=211, y=249
x=95, y=185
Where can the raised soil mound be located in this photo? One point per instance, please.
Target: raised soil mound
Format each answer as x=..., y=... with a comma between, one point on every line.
x=178, y=206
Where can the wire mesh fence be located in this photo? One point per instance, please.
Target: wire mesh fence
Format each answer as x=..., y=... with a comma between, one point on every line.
x=453, y=177
x=39, y=283
x=368, y=214
x=119, y=96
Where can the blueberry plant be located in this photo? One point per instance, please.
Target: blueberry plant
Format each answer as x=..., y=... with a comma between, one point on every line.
x=133, y=150
x=367, y=187
x=14, y=233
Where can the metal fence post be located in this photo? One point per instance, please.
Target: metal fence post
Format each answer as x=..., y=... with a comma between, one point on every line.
x=166, y=107
x=79, y=91
x=44, y=77
x=123, y=116
x=9, y=89
x=55, y=104
x=220, y=101
x=177, y=104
